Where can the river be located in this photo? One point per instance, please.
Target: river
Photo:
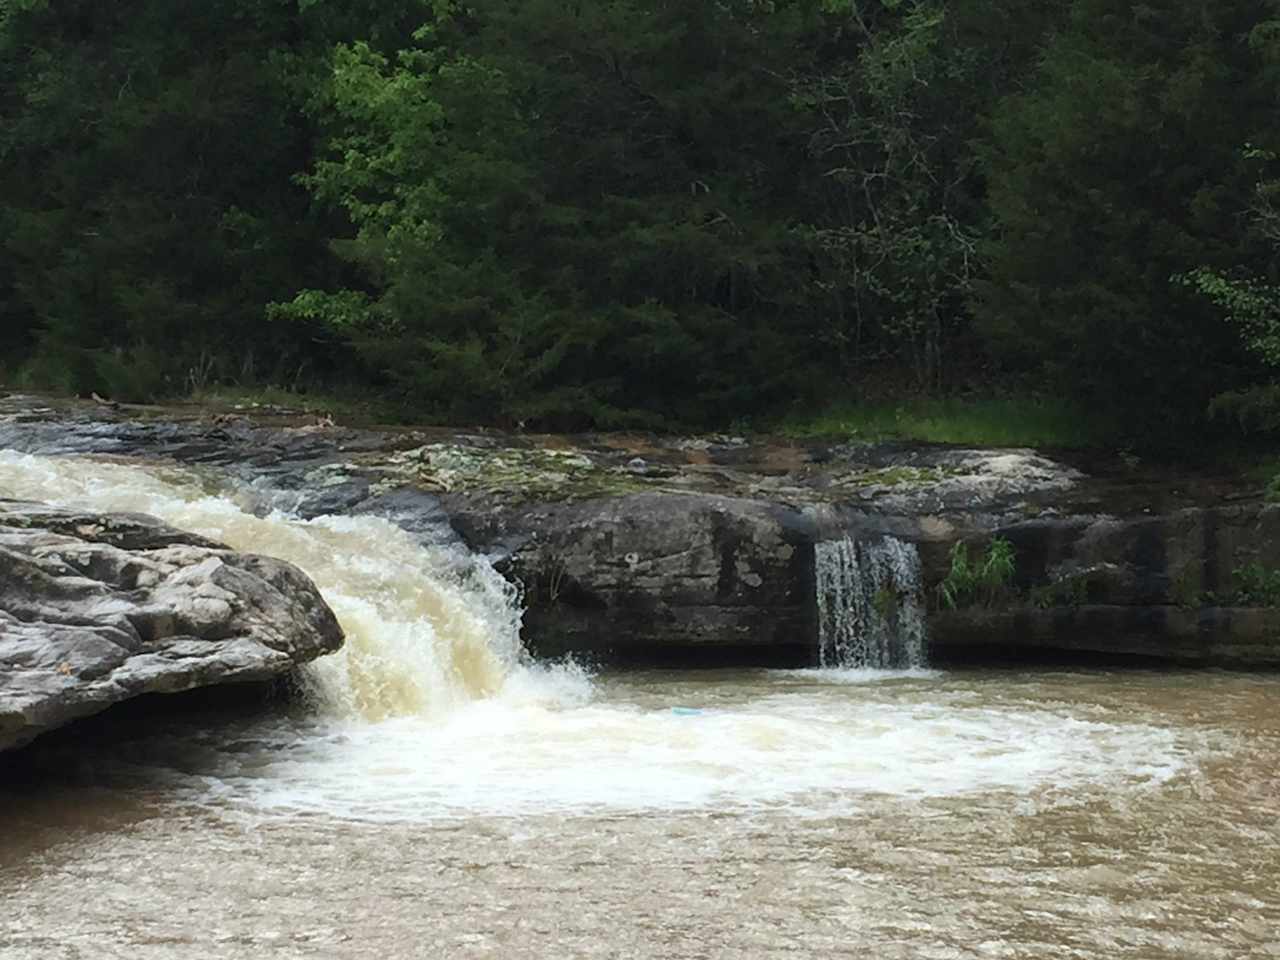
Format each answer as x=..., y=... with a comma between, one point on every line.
x=431, y=792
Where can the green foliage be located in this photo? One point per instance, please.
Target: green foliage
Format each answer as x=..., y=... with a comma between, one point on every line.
x=1253, y=306
x=1072, y=591
x=1251, y=410
x=998, y=421
x=570, y=215
x=893, y=248
x=1272, y=491
x=1113, y=169
x=567, y=214
x=649, y=212
x=982, y=582
x=1254, y=585
x=145, y=212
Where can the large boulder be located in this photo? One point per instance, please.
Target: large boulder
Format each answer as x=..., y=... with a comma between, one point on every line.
x=646, y=573
x=100, y=608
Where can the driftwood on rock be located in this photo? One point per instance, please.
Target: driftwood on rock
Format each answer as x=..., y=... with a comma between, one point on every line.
x=99, y=608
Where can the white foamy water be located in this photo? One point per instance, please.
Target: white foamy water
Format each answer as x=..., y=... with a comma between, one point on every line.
x=425, y=634
x=816, y=753
x=870, y=607
x=431, y=711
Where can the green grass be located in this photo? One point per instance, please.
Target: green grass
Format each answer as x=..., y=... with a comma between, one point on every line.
x=998, y=422
x=354, y=407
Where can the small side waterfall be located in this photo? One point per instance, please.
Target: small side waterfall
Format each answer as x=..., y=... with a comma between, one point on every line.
x=870, y=606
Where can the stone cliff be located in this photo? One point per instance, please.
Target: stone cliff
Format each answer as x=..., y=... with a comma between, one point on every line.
x=656, y=548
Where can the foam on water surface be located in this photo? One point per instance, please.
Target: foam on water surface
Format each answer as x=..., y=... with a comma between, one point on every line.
x=432, y=710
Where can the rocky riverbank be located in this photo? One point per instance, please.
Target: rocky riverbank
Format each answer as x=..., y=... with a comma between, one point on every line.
x=644, y=547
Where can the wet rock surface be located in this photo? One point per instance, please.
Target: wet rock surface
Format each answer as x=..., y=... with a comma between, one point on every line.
x=626, y=543
x=100, y=608
x=652, y=570
x=327, y=467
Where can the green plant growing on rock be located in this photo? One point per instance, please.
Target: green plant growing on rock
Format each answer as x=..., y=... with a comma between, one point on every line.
x=1255, y=586
x=978, y=582
x=1070, y=591
x=886, y=602
x=1186, y=589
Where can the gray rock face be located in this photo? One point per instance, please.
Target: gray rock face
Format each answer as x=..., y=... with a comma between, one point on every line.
x=1233, y=637
x=1157, y=587
x=640, y=545
x=99, y=608
x=646, y=572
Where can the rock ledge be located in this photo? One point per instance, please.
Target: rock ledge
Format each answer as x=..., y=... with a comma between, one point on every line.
x=99, y=608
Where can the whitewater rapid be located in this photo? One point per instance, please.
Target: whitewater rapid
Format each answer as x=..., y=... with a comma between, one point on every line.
x=432, y=710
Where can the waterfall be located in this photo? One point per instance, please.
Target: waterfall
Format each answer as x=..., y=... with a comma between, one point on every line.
x=429, y=628
x=870, y=607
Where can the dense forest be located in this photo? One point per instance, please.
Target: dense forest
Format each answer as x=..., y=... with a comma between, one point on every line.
x=647, y=212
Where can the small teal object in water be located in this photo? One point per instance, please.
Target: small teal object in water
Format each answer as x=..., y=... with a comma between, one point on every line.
x=686, y=711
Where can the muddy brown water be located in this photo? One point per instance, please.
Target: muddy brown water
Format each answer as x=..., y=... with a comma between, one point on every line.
x=1008, y=815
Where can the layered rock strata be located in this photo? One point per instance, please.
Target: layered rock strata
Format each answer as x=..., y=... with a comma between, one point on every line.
x=641, y=546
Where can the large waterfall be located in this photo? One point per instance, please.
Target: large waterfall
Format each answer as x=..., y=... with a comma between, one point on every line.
x=427, y=630
x=870, y=609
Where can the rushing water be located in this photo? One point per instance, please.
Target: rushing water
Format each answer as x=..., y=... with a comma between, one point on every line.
x=441, y=796
x=870, y=607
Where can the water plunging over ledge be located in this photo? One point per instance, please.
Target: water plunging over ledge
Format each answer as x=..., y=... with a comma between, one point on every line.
x=870, y=608
x=429, y=628
x=433, y=708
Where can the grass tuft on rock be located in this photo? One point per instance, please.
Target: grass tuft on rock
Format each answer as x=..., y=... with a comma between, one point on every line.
x=990, y=422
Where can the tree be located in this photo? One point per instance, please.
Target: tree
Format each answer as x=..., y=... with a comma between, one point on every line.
x=147, y=212
x=896, y=103
x=570, y=213
x=1114, y=170
x=892, y=238
x=1252, y=304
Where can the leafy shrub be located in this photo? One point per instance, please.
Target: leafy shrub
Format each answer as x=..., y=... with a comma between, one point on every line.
x=983, y=582
x=1071, y=591
x=1253, y=410
x=1255, y=586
